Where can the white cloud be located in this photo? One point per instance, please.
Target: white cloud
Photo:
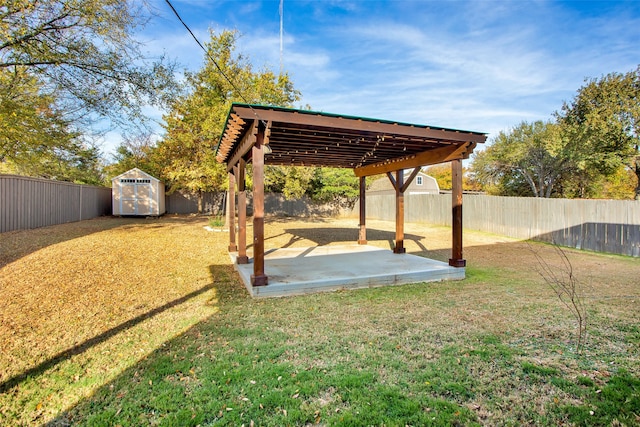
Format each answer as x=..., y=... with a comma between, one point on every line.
x=486, y=71
x=483, y=66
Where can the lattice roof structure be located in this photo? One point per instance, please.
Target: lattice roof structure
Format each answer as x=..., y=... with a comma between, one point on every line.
x=262, y=135
x=368, y=146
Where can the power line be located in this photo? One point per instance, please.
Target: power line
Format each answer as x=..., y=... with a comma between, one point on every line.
x=214, y=62
x=281, y=33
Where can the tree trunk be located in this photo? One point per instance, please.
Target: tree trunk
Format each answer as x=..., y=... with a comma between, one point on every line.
x=637, y=171
x=531, y=182
x=200, y=201
x=550, y=187
x=541, y=184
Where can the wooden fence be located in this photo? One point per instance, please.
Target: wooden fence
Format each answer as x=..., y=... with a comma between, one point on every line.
x=274, y=204
x=187, y=203
x=611, y=226
x=27, y=203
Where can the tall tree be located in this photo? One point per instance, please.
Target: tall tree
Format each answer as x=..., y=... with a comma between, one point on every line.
x=36, y=139
x=135, y=151
x=335, y=185
x=196, y=120
x=442, y=174
x=604, y=119
x=529, y=160
x=85, y=51
x=292, y=181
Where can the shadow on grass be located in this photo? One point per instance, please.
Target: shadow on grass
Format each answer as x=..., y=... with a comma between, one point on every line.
x=98, y=339
x=237, y=368
x=20, y=243
x=254, y=362
x=268, y=362
x=327, y=235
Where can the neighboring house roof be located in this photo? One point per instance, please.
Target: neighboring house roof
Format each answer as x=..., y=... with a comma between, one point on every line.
x=422, y=184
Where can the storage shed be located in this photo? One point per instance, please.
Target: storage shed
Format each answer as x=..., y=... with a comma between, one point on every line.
x=137, y=193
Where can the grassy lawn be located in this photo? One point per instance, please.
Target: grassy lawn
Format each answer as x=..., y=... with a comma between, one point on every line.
x=145, y=322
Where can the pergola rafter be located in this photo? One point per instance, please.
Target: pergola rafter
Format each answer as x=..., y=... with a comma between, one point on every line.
x=281, y=136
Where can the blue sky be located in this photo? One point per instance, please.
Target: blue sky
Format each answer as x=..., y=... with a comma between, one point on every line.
x=478, y=65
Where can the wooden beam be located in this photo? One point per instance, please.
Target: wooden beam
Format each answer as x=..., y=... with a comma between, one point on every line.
x=232, y=130
x=392, y=179
x=356, y=124
x=244, y=146
x=258, y=278
x=231, y=214
x=402, y=188
x=456, y=259
x=362, y=233
x=399, y=247
x=241, y=173
x=430, y=157
x=408, y=182
x=242, y=257
x=240, y=169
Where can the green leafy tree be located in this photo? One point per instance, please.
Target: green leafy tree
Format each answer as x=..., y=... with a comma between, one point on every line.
x=292, y=181
x=442, y=174
x=85, y=51
x=196, y=120
x=135, y=151
x=604, y=120
x=65, y=65
x=335, y=185
x=36, y=139
x=618, y=185
x=532, y=159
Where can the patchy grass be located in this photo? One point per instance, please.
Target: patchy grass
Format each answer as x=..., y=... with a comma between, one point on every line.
x=217, y=221
x=144, y=322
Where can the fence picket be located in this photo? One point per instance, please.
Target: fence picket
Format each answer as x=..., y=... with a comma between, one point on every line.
x=611, y=226
x=600, y=225
x=27, y=203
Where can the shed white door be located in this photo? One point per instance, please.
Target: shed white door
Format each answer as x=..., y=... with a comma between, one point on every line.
x=135, y=196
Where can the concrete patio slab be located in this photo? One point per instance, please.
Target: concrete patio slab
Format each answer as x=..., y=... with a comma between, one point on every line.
x=296, y=271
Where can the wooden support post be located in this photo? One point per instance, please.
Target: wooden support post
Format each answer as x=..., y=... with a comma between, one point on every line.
x=242, y=228
x=258, y=278
x=456, y=259
x=362, y=233
x=242, y=213
x=399, y=183
x=231, y=213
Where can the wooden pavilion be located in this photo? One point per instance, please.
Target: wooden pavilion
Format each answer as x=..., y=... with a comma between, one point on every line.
x=260, y=134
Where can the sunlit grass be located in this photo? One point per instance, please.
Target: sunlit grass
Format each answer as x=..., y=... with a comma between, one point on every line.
x=494, y=349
